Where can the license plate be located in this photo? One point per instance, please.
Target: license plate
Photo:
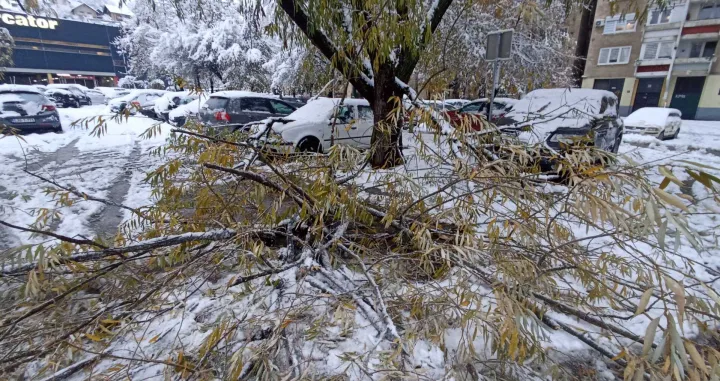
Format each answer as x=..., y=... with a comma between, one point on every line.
x=24, y=120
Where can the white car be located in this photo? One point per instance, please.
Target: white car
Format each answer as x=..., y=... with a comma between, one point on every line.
x=181, y=114
x=663, y=123
x=172, y=100
x=137, y=99
x=96, y=96
x=112, y=92
x=321, y=123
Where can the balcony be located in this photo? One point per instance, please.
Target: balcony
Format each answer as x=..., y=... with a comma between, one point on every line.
x=653, y=62
x=705, y=22
x=665, y=26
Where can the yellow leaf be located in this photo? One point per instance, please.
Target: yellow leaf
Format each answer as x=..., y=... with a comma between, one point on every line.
x=697, y=359
x=664, y=183
x=669, y=175
x=679, y=295
x=670, y=199
x=110, y=321
x=154, y=339
x=620, y=355
x=644, y=300
x=465, y=303
x=93, y=337
x=650, y=336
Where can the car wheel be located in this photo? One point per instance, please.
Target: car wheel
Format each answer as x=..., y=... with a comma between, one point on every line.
x=76, y=104
x=675, y=135
x=309, y=144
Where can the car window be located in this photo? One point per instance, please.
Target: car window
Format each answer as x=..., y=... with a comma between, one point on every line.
x=216, y=103
x=473, y=107
x=256, y=105
x=345, y=114
x=151, y=97
x=281, y=108
x=234, y=106
x=365, y=113
x=675, y=114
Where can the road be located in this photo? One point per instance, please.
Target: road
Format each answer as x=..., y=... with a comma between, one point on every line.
x=111, y=167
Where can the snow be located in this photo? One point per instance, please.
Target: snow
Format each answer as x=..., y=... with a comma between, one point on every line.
x=650, y=117
x=100, y=166
x=243, y=94
x=316, y=111
x=22, y=88
x=119, y=9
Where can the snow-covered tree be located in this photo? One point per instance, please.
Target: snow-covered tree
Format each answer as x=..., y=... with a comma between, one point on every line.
x=541, y=51
x=7, y=44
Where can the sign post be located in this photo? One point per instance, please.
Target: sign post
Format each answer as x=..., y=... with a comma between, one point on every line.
x=499, y=46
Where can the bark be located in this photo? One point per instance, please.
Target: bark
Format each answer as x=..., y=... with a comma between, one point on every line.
x=587, y=22
x=387, y=129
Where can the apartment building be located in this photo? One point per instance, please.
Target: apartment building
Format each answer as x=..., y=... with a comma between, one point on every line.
x=657, y=57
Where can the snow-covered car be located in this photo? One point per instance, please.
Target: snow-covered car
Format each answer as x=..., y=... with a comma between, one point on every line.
x=172, y=100
x=555, y=119
x=136, y=100
x=181, y=114
x=663, y=123
x=471, y=112
x=310, y=128
x=62, y=97
x=27, y=110
x=77, y=90
x=112, y=92
x=229, y=110
x=96, y=96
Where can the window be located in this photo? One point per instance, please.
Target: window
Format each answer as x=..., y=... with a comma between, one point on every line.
x=704, y=49
x=365, y=113
x=657, y=50
x=281, y=108
x=711, y=11
x=659, y=16
x=344, y=114
x=256, y=105
x=614, y=56
x=473, y=107
x=620, y=24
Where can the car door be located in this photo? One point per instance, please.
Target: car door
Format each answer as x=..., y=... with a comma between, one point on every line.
x=340, y=126
x=365, y=121
x=281, y=108
x=254, y=109
x=235, y=112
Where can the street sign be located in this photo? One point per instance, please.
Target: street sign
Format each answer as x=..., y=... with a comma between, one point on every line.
x=499, y=45
x=499, y=48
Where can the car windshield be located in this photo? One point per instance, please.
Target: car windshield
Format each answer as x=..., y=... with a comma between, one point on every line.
x=216, y=103
x=21, y=104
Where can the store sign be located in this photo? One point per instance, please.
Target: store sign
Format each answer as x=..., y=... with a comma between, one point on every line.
x=29, y=21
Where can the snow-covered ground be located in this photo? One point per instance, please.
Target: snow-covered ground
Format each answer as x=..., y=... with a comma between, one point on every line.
x=111, y=166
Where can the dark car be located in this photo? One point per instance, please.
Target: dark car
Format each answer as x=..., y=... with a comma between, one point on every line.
x=295, y=102
x=76, y=90
x=63, y=98
x=558, y=120
x=24, y=109
x=233, y=109
x=471, y=112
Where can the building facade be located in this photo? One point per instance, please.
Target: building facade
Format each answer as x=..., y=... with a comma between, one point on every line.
x=49, y=50
x=665, y=58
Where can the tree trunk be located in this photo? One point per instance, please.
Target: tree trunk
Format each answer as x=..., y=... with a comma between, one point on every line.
x=387, y=128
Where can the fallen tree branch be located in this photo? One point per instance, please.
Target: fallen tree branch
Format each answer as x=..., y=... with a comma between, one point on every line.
x=55, y=235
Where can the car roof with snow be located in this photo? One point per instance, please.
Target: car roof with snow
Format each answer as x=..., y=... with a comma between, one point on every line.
x=651, y=116
x=19, y=88
x=320, y=109
x=242, y=94
x=59, y=90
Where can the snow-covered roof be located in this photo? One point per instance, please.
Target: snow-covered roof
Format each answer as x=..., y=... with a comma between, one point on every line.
x=61, y=91
x=76, y=5
x=20, y=88
x=650, y=116
x=119, y=9
x=320, y=109
x=243, y=94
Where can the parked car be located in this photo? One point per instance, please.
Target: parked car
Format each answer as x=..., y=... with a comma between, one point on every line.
x=27, y=110
x=181, y=114
x=557, y=119
x=233, y=109
x=170, y=101
x=42, y=88
x=77, y=90
x=96, y=96
x=63, y=98
x=112, y=92
x=471, y=112
x=137, y=100
x=310, y=128
x=295, y=102
x=663, y=123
